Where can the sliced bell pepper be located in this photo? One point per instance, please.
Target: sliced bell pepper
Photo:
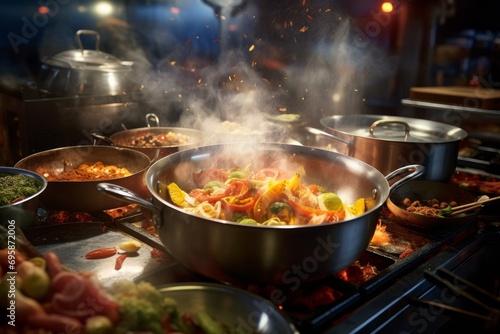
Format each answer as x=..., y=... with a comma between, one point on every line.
x=303, y=210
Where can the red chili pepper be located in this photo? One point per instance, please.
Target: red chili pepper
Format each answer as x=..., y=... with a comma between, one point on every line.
x=119, y=261
x=100, y=253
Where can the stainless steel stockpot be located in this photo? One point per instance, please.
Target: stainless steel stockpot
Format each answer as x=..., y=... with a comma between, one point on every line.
x=390, y=142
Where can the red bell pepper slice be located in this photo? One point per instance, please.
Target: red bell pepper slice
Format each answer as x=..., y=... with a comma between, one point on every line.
x=308, y=211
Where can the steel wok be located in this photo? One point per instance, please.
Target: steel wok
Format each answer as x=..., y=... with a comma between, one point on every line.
x=82, y=195
x=281, y=255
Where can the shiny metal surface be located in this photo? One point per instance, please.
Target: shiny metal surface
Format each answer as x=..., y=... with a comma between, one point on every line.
x=23, y=213
x=236, y=308
x=83, y=195
x=84, y=72
x=431, y=144
x=281, y=255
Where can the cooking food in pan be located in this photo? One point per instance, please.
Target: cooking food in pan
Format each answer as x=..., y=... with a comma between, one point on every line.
x=20, y=192
x=151, y=139
x=264, y=196
x=85, y=172
x=420, y=190
x=480, y=183
x=73, y=188
x=431, y=207
x=246, y=253
x=16, y=187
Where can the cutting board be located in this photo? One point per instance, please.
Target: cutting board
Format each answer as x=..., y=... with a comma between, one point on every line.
x=472, y=97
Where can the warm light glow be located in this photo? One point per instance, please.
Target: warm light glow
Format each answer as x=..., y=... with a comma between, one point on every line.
x=103, y=8
x=387, y=7
x=43, y=10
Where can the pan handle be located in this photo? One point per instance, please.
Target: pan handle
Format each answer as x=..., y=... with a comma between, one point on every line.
x=152, y=120
x=314, y=131
x=95, y=136
x=129, y=196
x=414, y=170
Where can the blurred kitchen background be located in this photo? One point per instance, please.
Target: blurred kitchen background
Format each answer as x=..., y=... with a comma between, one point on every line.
x=311, y=58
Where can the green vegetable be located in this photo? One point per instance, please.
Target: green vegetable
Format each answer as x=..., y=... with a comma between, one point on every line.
x=277, y=207
x=208, y=324
x=446, y=211
x=213, y=184
x=330, y=201
x=14, y=187
x=237, y=174
x=35, y=281
x=248, y=221
x=142, y=307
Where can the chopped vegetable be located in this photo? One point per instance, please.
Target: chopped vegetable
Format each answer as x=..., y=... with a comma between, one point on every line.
x=267, y=196
x=130, y=246
x=329, y=201
x=177, y=195
x=357, y=208
x=14, y=188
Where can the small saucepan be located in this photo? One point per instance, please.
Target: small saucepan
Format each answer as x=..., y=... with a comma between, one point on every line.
x=154, y=141
x=420, y=190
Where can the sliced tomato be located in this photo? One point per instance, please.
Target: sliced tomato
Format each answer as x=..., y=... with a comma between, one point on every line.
x=207, y=175
x=307, y=211
x=232, y=203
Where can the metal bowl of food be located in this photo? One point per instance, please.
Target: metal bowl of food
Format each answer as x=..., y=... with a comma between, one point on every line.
x=231, y=307
x=20, y=196
x=73, y=172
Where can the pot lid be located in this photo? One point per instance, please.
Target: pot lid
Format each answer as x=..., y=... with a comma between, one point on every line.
x=83, y=59
x=393, y=128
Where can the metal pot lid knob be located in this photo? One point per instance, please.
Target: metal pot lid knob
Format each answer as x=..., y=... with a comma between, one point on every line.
x=389, y=121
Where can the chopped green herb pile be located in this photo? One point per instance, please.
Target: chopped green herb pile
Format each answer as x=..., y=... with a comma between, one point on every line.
x=16, y=187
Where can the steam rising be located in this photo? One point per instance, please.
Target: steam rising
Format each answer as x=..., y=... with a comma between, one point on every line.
x=322, y=67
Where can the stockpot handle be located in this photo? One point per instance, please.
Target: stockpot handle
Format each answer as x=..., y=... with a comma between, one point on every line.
x=129, y=196
x=414, y=170
x=87, y=32
x=387, y=121
x=315, y=131
x=152, y=120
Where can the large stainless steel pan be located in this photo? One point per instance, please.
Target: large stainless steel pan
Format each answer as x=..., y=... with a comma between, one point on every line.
x=82, y=195
x=389, y=142
x=286, y=255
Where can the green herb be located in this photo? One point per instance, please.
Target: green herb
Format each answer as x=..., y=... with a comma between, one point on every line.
x=14, y=187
